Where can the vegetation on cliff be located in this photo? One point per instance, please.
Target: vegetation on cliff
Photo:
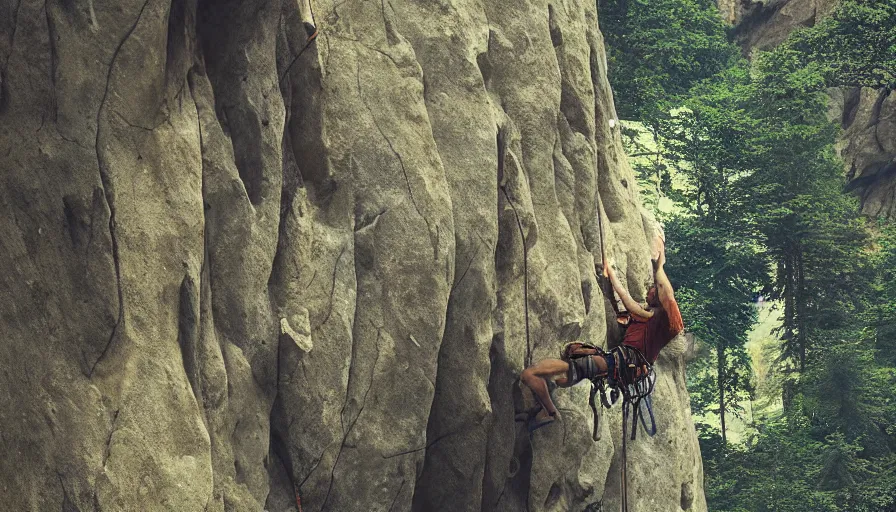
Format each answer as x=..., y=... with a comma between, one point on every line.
x=746, y=152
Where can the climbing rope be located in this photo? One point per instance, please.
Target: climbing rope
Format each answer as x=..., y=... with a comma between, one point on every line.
x=625, y=403
x=519, y=225
x=631, y=376
x=633, y=395
x=528, y=361
x=624, y=458
x=310, y=40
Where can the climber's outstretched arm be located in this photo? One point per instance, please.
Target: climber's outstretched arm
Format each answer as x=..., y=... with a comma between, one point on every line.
x=663, y=285
x=630, y=304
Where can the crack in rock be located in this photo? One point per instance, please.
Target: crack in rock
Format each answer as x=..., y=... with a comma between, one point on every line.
x=108, y=449
x=108, y=192
x=358, y=416
x=424, y=447
x=332, y=290
x=433, y=240
x=397, y=494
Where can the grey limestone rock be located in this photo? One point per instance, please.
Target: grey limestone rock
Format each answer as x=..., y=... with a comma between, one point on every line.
x=240, y=270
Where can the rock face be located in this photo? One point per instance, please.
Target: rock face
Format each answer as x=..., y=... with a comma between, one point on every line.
x=867, y=116
x=240, y=269
x=868, y=146
x=763, y=24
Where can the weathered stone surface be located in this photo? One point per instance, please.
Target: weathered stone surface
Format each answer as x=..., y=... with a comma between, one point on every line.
x=764, y=24
x=868, y=146
x=236, y=272
x=868, y=117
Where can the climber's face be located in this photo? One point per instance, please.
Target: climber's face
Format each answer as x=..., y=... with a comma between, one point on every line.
x=652, y=299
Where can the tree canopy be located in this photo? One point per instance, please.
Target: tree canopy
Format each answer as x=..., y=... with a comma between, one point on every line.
x=854, y=46
x=661, y=47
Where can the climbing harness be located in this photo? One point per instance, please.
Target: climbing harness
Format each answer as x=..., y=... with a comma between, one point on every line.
x=629, y=375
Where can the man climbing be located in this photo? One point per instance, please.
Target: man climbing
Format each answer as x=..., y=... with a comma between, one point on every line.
x=650, y=328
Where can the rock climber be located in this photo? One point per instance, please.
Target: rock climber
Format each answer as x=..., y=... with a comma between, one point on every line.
x=650, y=328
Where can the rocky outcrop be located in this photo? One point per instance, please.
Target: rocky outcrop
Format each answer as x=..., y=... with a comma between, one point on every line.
x=867, y=116
x=868, y=146
x=241, y=269
x=764, y=24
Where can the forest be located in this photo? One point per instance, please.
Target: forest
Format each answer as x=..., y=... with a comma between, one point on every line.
x=737, y=153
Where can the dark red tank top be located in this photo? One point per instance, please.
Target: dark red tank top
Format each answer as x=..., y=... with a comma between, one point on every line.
x=656, y=332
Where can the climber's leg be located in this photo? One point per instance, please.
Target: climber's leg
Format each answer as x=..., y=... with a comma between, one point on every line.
x=536, y=377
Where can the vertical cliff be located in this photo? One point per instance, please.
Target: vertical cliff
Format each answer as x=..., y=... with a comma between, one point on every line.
x=235, y=272
x=867, y=116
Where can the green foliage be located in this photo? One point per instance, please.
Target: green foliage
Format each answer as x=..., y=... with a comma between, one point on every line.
x=658, y=49
x=855, y=45
x=786, y=469
x=881, y=315
x=812, y=232
x=878, y=491
x=847, y=394
x=760, y=207
x=704, y=141
x=777, y=472
x=720, y=274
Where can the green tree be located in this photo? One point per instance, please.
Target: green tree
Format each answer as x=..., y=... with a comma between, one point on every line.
x=853, y=46
x=881, y=316
x=715, y=276
x=704, y=142
x=656, y=51
x=781, y=470
x=829, y=272
x=812, y=231
x=847, y=394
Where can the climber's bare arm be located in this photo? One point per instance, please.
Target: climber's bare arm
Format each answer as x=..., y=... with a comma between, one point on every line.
x=663, y=286
x=630, y=304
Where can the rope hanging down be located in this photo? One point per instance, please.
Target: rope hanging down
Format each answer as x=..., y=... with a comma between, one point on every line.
x=624, y=459
x=311, y=37
x=633, y=376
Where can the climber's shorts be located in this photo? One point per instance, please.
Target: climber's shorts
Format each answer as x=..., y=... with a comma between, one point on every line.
x=582, y=368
